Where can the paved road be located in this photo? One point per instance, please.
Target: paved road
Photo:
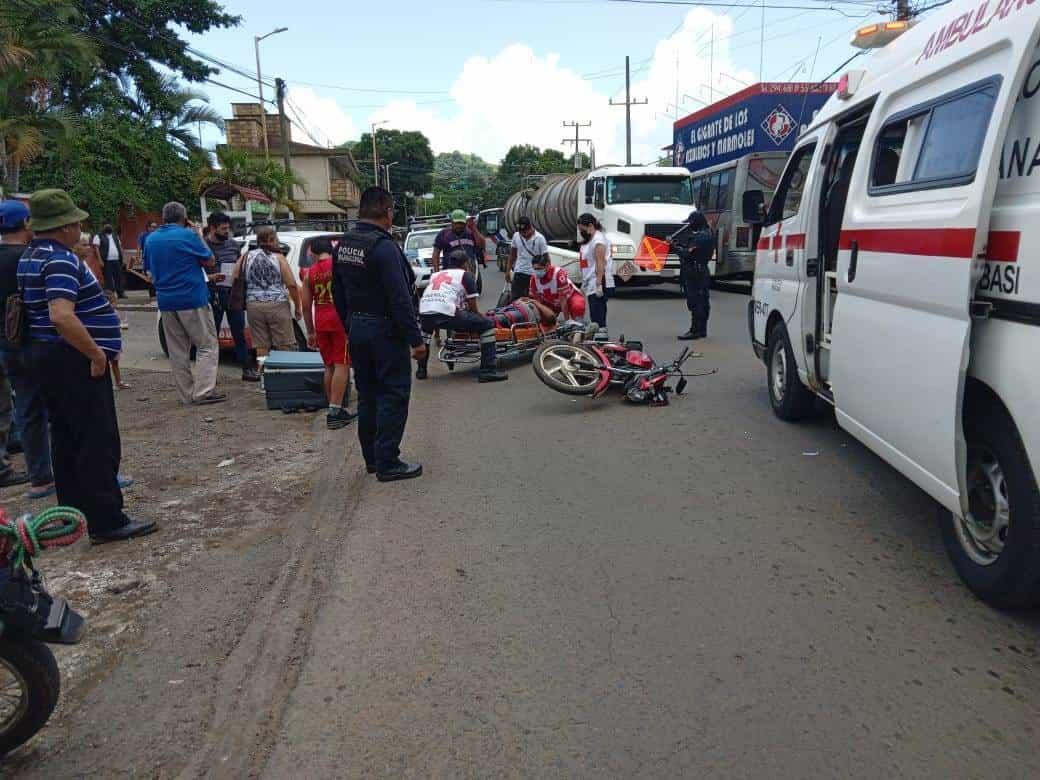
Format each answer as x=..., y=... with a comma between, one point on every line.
x=583, y=588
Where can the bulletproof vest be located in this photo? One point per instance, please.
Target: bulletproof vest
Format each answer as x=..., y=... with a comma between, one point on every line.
x=357, y=274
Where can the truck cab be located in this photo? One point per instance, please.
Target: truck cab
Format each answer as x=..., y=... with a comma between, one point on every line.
x=636, y=201
x=894, y=277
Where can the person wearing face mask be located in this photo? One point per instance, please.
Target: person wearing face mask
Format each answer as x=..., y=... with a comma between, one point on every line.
x=597, y=268
x=528, y=243
x=553, y=292
x=458, y=236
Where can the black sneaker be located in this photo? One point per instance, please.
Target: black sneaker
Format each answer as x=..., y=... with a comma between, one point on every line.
x=689, y=335
x=250, y=375
x=492, y=375
x=340, y=418
x=420, y=372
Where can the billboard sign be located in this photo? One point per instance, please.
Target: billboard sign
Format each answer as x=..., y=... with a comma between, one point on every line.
x=764, y=117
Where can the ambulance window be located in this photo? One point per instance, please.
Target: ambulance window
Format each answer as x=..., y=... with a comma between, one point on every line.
x=937, y=144
x=788, y=198
x=955, y=134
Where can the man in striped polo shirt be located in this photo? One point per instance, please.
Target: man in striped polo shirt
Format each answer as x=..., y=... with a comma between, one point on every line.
x=74, y=332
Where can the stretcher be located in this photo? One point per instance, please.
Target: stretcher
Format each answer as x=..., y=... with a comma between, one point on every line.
x=513, y=340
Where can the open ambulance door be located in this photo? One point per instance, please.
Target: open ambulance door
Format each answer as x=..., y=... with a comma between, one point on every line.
x=913, y=235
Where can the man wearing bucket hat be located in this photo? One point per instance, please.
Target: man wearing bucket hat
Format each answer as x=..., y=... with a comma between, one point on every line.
x=74, y=332
x=459, y=236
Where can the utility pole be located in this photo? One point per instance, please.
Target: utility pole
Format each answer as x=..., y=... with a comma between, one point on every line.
x=375, y=154
x=629, y=102
x=283, y=123
x=577, y=140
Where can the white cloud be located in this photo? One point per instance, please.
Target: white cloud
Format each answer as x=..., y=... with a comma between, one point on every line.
x=519, y=96
x=326, y=121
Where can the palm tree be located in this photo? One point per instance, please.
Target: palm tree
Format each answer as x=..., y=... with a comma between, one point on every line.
x=179, y=114
x=238, y=167
x=36, y=45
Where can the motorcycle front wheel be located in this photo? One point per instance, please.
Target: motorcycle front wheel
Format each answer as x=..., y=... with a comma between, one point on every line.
x=567, y=368
x=29, y=688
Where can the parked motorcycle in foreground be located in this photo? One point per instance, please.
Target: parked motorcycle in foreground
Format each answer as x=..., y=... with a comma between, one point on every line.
x=591, y=367
x=29, y=617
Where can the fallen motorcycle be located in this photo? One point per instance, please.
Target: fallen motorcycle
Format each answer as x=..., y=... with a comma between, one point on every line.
x=591, y=367
x=29, y=617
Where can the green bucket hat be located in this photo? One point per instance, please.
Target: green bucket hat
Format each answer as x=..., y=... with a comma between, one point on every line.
x=458, y=215
x=51, y=209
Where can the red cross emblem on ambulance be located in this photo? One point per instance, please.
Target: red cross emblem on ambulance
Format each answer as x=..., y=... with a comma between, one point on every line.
x=778, y=124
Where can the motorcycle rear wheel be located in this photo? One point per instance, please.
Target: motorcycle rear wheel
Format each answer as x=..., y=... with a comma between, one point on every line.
x=554, y=364
x=29, y=687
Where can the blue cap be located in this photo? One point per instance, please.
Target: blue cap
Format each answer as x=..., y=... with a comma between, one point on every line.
x=12, y=214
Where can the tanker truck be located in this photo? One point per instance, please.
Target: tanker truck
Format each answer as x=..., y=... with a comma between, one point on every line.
x=629, y=201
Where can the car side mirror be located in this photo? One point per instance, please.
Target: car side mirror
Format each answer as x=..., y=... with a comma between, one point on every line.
x=589, y=189
x=753, y=206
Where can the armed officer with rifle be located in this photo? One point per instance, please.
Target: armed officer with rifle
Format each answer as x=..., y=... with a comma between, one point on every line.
x=695, y=244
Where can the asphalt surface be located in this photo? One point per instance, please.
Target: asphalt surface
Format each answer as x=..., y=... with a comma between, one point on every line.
x=587, y=588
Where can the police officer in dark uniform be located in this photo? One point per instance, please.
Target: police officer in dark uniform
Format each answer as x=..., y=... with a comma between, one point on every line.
x=374, y=299
x=696, y=245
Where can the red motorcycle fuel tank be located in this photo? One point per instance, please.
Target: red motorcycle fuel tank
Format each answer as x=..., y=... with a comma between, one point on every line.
x=638, y=359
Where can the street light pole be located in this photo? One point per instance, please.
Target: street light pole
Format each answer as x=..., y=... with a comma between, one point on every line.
x=260, y=84
x=375, y=154
x=386, y=169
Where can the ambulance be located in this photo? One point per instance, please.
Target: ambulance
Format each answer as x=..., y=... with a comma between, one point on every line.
x=897, y=275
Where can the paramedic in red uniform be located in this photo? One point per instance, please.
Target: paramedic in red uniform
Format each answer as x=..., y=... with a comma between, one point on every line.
x=553, y=291
x=450, y=301
x=325, y=332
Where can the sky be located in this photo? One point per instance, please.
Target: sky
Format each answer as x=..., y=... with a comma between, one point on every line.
x=481, y=75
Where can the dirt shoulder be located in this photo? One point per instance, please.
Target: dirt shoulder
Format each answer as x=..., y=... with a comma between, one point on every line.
x=165, y=611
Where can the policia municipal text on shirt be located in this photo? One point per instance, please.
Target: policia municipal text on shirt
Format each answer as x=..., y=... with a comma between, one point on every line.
x=373, y=297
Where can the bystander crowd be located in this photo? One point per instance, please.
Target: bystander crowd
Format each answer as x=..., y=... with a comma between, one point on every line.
x=178, y=261
x=74, y=332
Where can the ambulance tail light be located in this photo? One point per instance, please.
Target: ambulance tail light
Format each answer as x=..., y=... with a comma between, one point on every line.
x=874, y=36
x=849, y=83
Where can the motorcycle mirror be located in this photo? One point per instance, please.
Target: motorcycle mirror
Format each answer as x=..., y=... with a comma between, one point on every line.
x=680, y=386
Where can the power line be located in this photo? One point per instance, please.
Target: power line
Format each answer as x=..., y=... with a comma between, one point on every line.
x=718, y=4
x=376, y=91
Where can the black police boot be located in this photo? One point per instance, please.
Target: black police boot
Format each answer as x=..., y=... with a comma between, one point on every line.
x=401, y=470
x=488, y=369
x=691, y=334
x=420, y=369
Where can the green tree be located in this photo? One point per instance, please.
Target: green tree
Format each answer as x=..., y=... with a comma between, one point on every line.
x=238, y=167
x=179, y=114
x=33, y=56
x=409, y=149
x=460, y=181
x=113, y=162
x=138, y=39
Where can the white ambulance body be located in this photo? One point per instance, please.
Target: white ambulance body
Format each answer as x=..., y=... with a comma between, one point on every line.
x=897, y=276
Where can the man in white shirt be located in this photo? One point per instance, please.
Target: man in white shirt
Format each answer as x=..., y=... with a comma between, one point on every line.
x=528, y=244
x=110, y=252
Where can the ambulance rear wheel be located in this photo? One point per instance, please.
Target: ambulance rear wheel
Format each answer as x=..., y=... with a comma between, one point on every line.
x=996, y=548
x=790, y=399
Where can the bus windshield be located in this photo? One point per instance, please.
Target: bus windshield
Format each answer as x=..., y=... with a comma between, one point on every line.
x=649, y=189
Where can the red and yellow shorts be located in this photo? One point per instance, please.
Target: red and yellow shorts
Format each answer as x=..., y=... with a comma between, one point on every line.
x=332, y=344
